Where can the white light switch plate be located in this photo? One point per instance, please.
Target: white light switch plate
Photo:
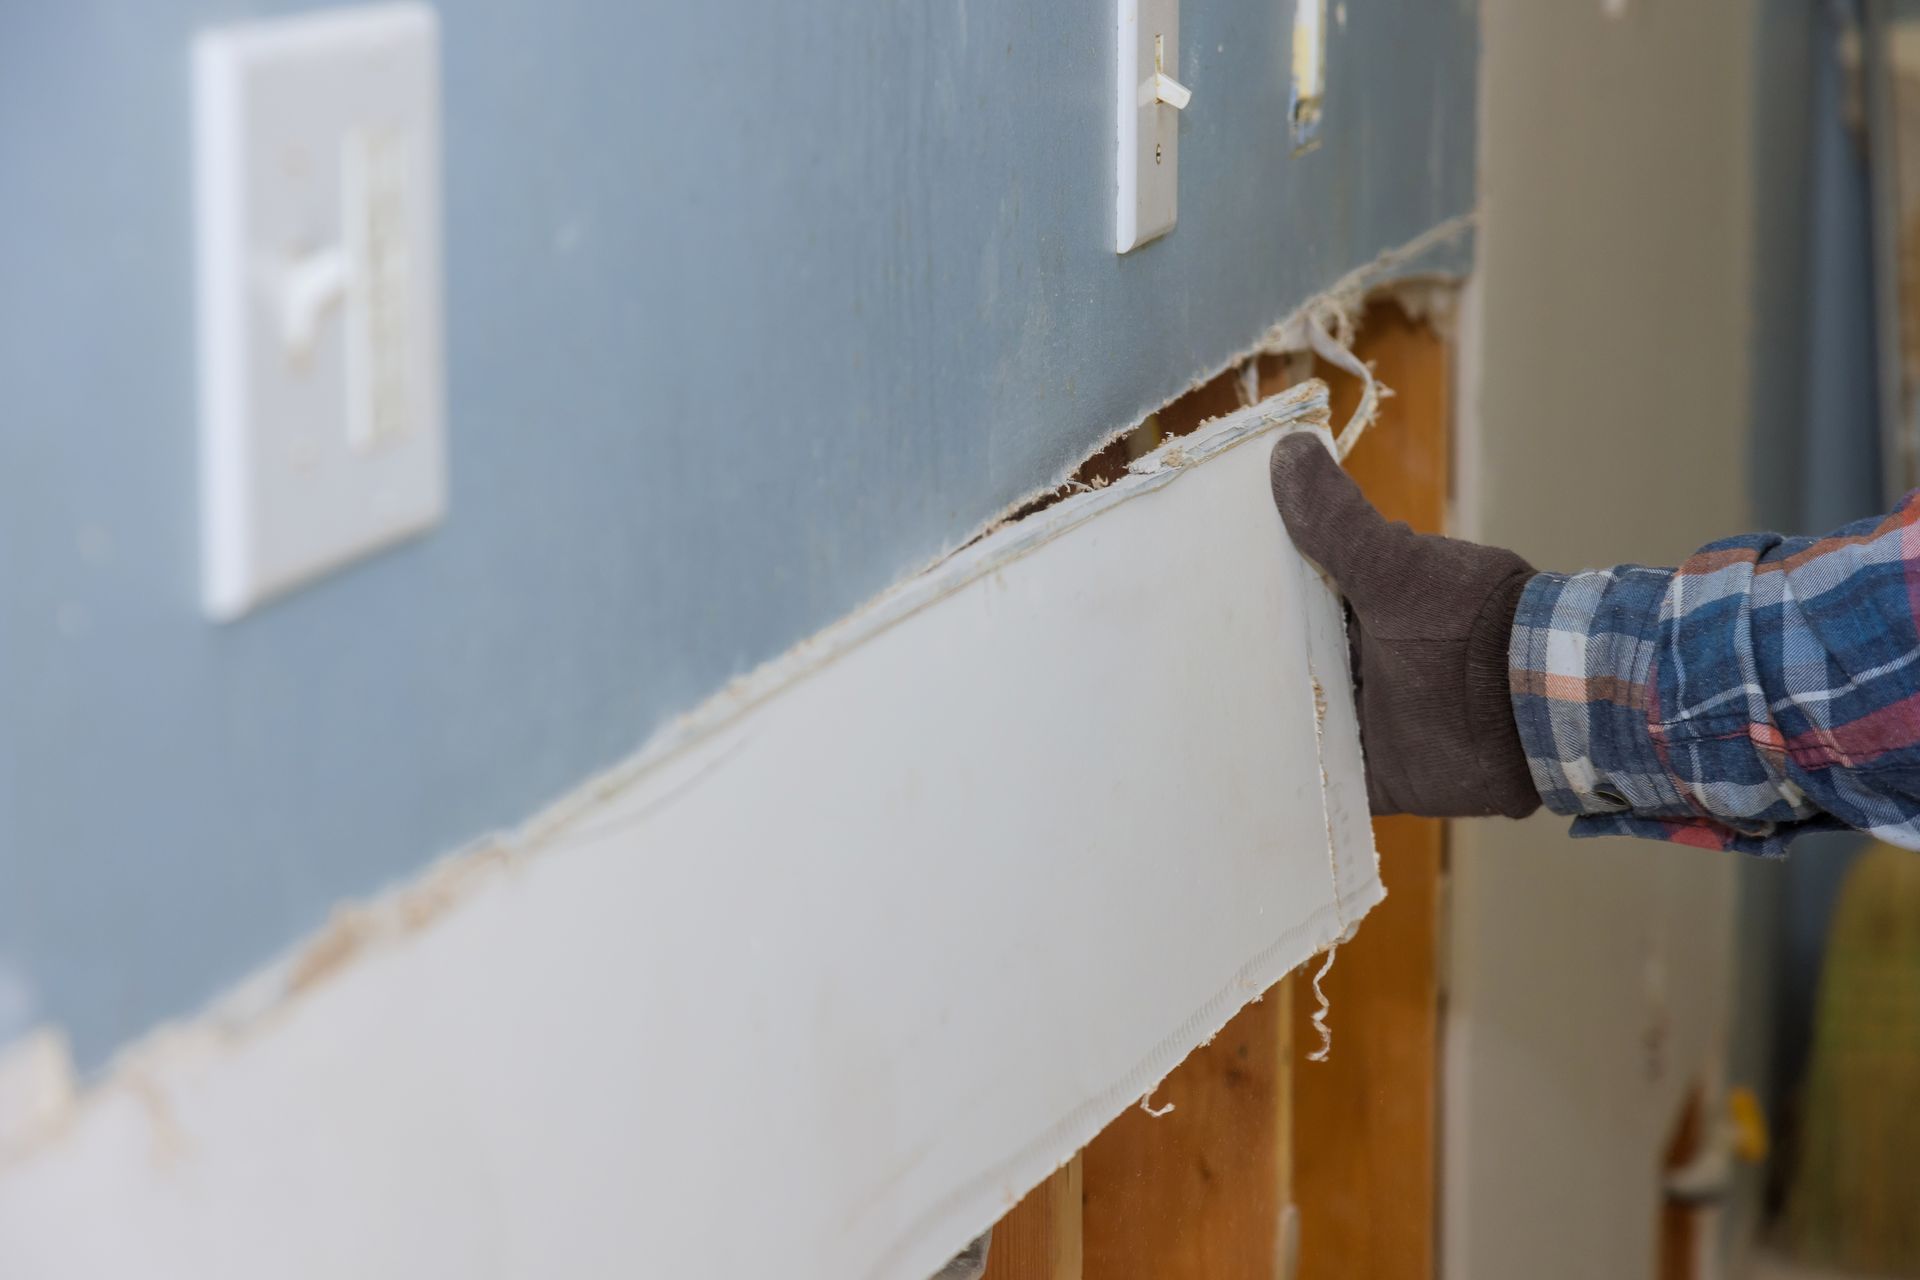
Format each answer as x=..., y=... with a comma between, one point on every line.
x=1148, y=159
x=317, y=180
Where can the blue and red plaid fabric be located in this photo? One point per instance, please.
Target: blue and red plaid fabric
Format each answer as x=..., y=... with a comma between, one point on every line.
x=1767, y=687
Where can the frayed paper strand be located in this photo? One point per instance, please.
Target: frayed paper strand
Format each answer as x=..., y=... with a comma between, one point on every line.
x=1325, y=1008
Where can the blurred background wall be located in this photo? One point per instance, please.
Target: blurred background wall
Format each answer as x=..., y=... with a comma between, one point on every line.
x=1605, y=419
x=1671, y=339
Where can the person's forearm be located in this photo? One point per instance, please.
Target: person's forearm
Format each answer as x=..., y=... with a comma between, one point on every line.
x=1765, y=688
x=1582, y=662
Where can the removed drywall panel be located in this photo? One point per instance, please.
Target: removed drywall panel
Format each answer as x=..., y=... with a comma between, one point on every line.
x=870, y=947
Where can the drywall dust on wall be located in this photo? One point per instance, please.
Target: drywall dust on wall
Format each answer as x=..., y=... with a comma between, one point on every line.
x=752, y=309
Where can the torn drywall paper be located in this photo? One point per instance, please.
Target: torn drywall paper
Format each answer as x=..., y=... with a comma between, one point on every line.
x=1407, y=272
x=1314, y=330
x=916, y=910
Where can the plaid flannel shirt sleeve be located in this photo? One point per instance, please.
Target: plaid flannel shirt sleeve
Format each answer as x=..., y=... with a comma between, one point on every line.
x=1767, y=687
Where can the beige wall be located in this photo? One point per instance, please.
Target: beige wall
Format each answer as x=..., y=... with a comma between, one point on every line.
x=1604, y=419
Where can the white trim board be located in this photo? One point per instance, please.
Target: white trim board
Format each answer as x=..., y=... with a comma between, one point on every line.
x=822, y=984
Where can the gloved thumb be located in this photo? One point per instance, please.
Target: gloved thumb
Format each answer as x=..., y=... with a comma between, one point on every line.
x=1328, y=518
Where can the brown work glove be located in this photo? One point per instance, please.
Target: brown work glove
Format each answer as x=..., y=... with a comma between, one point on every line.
x=1429, y=619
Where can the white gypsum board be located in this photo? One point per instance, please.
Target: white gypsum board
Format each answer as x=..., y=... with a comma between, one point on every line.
x=821, y=985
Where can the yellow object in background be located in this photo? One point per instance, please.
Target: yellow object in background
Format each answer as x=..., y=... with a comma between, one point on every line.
x=1749, y=1124
x=1855, y=1200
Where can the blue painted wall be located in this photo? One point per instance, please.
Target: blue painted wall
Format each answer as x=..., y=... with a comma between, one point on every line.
x=752, y=309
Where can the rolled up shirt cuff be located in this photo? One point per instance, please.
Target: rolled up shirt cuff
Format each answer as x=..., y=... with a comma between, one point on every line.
x=1582, y=667
x=1579, y=659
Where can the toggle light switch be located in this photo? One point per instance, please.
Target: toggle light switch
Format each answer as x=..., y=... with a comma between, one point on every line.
x=1147, y=108
x=1170, y=91
x=317, y=181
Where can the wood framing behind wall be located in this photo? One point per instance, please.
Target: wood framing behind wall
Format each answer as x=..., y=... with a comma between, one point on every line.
x=1366, y=1131
x=1040, y=1239
x=1270, y=1166
x=1201, y=1191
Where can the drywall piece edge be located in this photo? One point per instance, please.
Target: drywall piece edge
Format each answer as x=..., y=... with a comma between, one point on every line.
x=453, y=1076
